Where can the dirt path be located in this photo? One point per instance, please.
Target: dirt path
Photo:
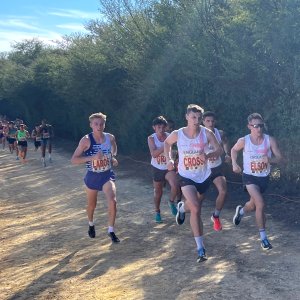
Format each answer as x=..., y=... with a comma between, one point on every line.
x=45, y=252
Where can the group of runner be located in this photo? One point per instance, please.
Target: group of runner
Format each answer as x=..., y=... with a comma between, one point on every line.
x=189, y=168
x=16, y=134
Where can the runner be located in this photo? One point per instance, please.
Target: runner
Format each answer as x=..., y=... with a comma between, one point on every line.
x=170, y=127
x=22, y=135
x=259, y=152
x=3, y=129
x=36, y=135
x=160, y=173
x=12, y=139
x=47, y=136
x=215, y=164
x=194, y=173
x=97, y=150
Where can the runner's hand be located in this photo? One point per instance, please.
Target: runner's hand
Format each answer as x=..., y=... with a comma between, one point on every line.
x=236, y=168
x=98, y=155
x=170, y=165
x=114, y=162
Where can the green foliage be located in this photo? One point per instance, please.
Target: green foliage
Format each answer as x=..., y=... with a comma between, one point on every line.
x=150, y=58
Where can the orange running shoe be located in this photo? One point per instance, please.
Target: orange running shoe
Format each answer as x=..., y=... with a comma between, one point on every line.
x=217, y=223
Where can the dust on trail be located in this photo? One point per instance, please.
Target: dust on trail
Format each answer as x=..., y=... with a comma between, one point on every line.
x=46, y=253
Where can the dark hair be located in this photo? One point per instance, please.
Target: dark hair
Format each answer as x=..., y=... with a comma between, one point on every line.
x=159, y=121
x=255, y=116
x=209, y=114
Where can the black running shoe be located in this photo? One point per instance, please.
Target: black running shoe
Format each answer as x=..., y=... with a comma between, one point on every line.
x=265, y=244
x=202, y=255
x=237, y=217
x=92, y=232
x=180, y=216
x=113, y=237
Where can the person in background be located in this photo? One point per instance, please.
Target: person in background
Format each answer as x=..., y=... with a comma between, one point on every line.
x=160, y=173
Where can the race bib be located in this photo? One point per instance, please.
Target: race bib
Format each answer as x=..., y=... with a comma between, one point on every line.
x=101, y=165
x=161, y=160
x=192, y=162
x=46, y=135
x=258, y=166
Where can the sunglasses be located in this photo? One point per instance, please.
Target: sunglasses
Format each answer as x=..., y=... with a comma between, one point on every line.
x=258, y=125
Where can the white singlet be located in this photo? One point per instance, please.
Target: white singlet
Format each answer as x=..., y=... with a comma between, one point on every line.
x=189, y=150
x=159, y=162
x=214, y=162
x=253, y=155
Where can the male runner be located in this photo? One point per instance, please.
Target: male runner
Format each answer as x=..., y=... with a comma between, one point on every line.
x=194, y=173
x=97, y=150
x=259, y=152
x=160, y=173
x=215, y=164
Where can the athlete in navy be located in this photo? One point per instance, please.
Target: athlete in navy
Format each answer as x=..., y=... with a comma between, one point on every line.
x=98, y=150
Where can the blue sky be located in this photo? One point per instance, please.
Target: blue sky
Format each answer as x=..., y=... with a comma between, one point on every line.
x=43, y=19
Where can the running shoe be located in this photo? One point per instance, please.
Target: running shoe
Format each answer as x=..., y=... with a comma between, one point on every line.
x=17, y=158
x=173, y=208
x=180, y=216
x=201, y=255
x=158, y=218
x=92, y=232
x=265, y=244
x=237, y=217
x=113, y=237
x=217, y=223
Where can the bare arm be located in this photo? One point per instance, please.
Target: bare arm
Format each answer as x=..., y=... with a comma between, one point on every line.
x=240, y=144
x=78, y=158
x=214, y=142
x=169, y=141
x=277, y=158
x=225, y=142
x=154, y=151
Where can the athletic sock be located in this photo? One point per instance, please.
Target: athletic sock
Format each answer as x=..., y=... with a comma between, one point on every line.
x=91, y=223
x=216, y=213
x=199, y=242
x=242, y=211
x=181, y=209
x=262, y=233
x=110, y=229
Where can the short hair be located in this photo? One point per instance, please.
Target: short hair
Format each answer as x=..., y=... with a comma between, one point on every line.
x=255, y=116
x=209, y=114
x=159, y=121
x=98, y=115
x=194, y=108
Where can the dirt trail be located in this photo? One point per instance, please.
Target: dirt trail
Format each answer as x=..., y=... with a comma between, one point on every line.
x=45, y=252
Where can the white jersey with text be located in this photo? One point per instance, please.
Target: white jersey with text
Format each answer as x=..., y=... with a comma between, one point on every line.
x=189, y=150
x=214, y=161
x=253, y=157
x=159, y=162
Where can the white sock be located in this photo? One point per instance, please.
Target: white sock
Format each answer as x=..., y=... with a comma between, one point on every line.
x=91, y=223
x=110, y=229
x=181, y=209
x=199, y=242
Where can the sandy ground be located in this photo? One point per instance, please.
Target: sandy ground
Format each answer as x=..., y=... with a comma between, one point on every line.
x=45, y=251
